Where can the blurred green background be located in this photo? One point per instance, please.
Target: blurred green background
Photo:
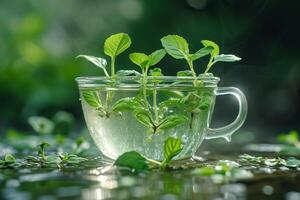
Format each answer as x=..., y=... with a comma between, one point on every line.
x=39, y=41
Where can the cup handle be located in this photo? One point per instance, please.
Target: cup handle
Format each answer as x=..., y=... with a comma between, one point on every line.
x=229, y=129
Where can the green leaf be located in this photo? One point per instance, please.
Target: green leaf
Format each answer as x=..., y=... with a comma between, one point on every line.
x=128, y=73
x=226, y=58
x=155, y=72
x=290, y=138
x=41, y=125
x=9, y=159
x=127, y=103
x=172, y=121
x=185, y=73
x=92, y=98
x=132, y=160
x=144, y=117
x=116, y=44
x=292, y=162
x=173, y=146
x=156, y=56
x=176, y=46
x=216, y=49
x=100, y=62
x=202, y=52
x=140, y=59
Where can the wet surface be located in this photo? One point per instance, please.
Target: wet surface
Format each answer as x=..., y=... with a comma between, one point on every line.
x=98, y=179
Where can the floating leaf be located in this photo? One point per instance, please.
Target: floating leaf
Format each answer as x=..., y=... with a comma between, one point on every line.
x=132, y=160
x=9, y=159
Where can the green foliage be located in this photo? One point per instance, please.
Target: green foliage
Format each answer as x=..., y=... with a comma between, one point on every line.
x=185, y=73
x=173, y=146
x=115, y=45
x=100, y=62
x=215, y=57
x=41, y=125
x=145, y=61
x=132, y=160
x=178, y=48
x=292, y=143
x=92, y=98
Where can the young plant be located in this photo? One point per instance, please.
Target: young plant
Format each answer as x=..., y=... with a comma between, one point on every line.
x=177, y=47
x=216, y=57
x=138, y=163
x=113, y=46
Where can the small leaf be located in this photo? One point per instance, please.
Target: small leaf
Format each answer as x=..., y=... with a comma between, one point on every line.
x=202, y=52
x=41, y=125
x=176, y=46
x=173, y=146
x=100, y=62
x=185, y=73
x=9, y=159
x=127, y=103
x=92, y=98
x=144, y=117
x=290, y=138
x=172, y=121
x=155, y=72
x=226, y=58
x=156, y=56
x=128, y=73
x=216, y=49
x=132, y=160
x=116, y=44
x=292, y=162
x=140, y=59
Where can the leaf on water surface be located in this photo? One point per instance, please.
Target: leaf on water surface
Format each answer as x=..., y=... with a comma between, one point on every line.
x=132, y=160
x=9, y=159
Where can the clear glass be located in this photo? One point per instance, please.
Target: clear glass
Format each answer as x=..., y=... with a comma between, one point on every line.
x=179, y=107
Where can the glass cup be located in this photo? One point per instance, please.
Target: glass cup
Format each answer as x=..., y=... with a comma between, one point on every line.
x=134, y=113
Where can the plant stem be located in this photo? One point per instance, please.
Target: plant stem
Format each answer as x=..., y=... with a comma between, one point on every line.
x=113, y=59
x=155, y=104
x=153, y=161
x=190, y=63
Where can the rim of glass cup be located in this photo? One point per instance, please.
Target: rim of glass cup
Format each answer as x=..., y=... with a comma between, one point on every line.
x=98, y=81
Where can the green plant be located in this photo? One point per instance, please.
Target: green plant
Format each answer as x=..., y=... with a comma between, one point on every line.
x=152, y=114
x=137, y=163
